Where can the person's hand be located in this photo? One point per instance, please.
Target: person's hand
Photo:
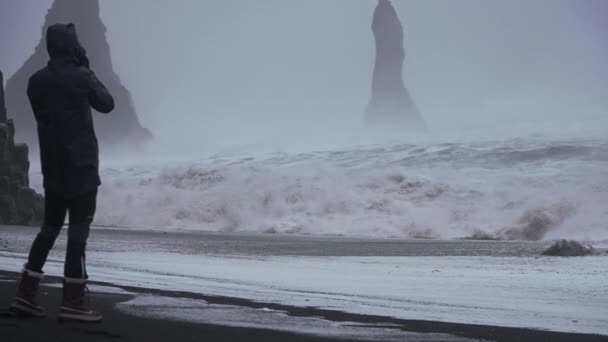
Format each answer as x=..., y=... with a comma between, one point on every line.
x=81, y=57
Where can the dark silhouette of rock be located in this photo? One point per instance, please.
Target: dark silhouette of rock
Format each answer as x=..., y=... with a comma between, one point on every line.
x=391, y=104
x=18, y=203
x=565, y=248
x=2, y=104
x=123, y=126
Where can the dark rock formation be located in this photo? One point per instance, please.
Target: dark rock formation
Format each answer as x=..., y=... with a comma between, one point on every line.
x=391, y=104
x=2, y=104
x=119, y=127
x=565, y=248
x=18, y=203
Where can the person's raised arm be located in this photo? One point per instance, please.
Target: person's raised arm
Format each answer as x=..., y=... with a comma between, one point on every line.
x=99, y=97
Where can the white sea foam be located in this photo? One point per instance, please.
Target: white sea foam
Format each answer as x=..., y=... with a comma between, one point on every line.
x=517, y=189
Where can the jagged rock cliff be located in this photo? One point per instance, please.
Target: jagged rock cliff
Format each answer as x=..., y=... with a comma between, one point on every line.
x=391, y=104
x=122, y=126
x=18, y=203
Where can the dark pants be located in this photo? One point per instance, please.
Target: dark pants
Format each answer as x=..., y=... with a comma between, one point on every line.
x=81, y=210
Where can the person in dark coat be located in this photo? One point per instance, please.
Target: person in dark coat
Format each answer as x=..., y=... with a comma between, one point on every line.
x=61, y=95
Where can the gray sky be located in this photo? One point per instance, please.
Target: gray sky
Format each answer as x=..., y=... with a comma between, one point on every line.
x=255, y=68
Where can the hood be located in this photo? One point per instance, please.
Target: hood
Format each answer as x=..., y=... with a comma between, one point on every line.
x=385, y=3
x=62, y=42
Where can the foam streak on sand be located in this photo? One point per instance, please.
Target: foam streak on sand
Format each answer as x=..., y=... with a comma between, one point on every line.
x=199, y=311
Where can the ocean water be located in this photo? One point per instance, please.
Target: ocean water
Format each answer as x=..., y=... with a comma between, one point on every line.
x=518, y=189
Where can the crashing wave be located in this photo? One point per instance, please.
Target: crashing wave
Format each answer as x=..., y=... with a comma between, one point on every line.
x=403, y=191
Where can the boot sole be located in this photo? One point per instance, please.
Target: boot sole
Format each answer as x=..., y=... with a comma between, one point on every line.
x=75, y=316
x=20, y=310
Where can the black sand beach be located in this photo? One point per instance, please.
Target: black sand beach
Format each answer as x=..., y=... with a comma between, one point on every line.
x=119, y=326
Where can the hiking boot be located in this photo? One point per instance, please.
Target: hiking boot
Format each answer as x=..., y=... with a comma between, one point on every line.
x=76, y=303
x=24, y=303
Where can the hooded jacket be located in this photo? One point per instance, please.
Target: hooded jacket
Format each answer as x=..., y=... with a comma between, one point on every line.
x=61, y=95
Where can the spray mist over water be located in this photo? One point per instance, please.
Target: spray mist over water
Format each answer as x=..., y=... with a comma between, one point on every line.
x=513, y=93
x=279, y=73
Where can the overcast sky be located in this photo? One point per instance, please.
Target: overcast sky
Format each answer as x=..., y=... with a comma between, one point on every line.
x=278, y=62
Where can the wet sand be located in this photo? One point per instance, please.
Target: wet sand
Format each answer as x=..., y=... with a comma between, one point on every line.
x=224, y=244
x=119, y=326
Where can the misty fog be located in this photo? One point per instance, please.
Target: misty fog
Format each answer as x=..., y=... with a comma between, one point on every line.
x=265, y=183
x=516, y=90
x=275, y=74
